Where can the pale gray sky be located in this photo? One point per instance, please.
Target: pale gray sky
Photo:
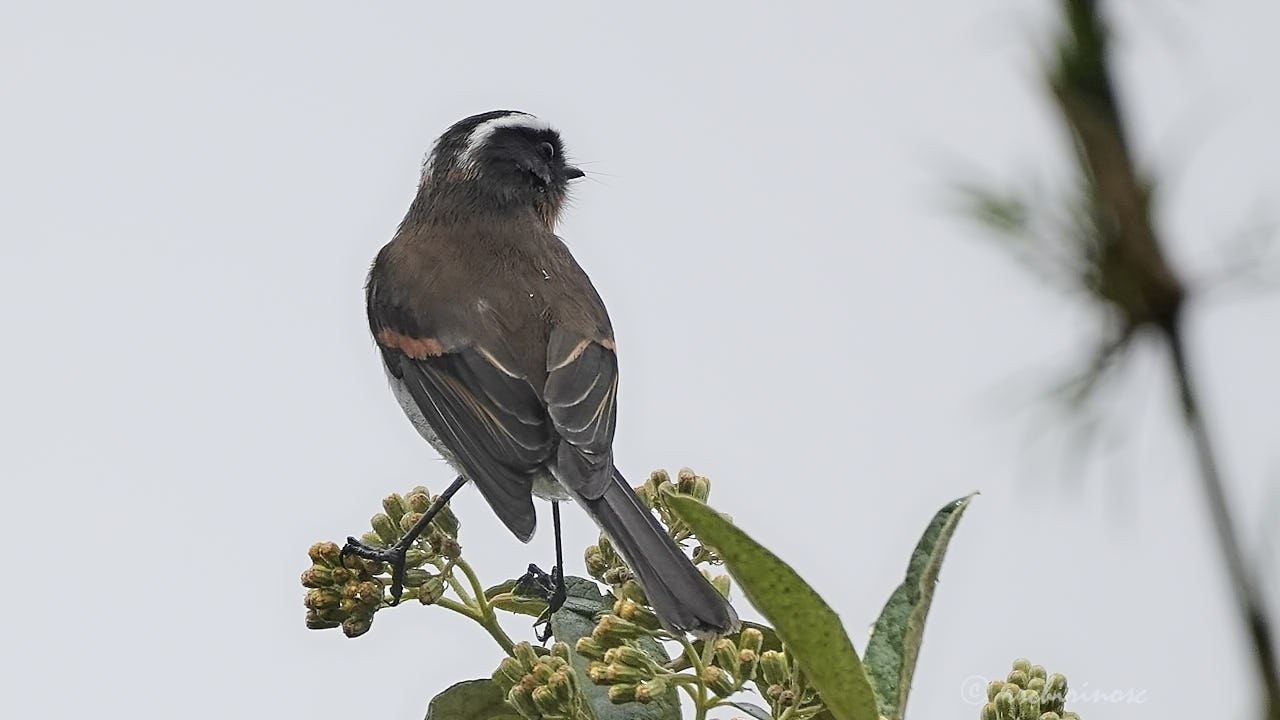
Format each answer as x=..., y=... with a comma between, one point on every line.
x=193, y=194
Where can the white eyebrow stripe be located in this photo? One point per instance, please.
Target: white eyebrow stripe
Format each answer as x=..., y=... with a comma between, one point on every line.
x=486, y=129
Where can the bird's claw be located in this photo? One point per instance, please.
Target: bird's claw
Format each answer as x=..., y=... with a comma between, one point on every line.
x=535, y=582
x=395, y=556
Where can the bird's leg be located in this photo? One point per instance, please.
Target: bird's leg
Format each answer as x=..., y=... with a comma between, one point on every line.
x=552, y=585
x=559, y=593
x=395, y=555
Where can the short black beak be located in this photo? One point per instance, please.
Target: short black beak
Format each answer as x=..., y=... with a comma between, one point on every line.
x=572, y=173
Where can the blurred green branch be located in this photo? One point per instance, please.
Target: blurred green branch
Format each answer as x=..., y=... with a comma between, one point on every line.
x=1110, y=249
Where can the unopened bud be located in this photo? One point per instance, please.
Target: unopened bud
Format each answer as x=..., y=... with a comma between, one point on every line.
x=317, y=576
x=727, y=655
x=373, y=539
x=717, y=681
x=787, y=698
x=508, y=673
x=542, y=672
x=773, y=692
x=721, y=584
x=616, y=575
x=321, y=598
x=590, y=648
x=561, y=685
x=1070, y=716
x=627, y=655
x=649, y=691
x=414, y=577
x=1019, y=678
x=632, y=590
x=685, y=481
x=1055, y=693
x=545, y=700
x=447, y=521
x=646, y=494
x=560, y=650
x=316, y=622
x=773, y=667
x=520, y=698
x=1051, y=716
x=1022, y=664
x=525, y=654
x=450, y=549
x=614, y=673
x=1036, y=685
x=354, y=627
x=1037, y=671
x=415, y=557
x=407, y=521
x=386, y=529
x=993, y=688
x=431, y=590
x=1028, y=705
x=605, y=545
x=629, y=609
x=325, y=553
x=701, y=488
x=748, y=661
x=418, y=502
x=612, y=630
x=596, y=564
x=619, y=694
x=1006, y=705
x=394, y=506
x=989, y=712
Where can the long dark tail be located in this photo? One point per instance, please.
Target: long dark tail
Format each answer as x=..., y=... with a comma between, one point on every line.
x=682, y=597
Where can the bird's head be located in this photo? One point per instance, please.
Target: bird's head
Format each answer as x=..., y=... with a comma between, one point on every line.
x=504, y=159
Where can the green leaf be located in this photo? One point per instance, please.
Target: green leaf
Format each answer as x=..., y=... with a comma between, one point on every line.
x=471, y=700
x=895, y=642
x=512, y=602
x=810, y=628
x=583, y=607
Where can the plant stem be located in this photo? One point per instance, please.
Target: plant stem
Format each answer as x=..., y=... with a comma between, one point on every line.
x=700, y=702
x=488, y=618
x=1247, y=593
x=459, y=608
x=476, y=587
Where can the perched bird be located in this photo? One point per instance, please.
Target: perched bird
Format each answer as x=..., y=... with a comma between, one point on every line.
x=501, y=353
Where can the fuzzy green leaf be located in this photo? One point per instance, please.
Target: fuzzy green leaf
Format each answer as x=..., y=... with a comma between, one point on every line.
x=895, y=642
x=471, y=700
x=812, y=631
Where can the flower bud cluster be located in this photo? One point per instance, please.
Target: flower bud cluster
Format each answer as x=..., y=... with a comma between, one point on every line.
x=782, y=683
x=616, y=659
x=734, y=662
x=541, y=687
x=345, y=591
x=402, y=512
x=1028, y=693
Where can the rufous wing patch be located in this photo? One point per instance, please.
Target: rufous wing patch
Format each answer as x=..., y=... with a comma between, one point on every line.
x=416, y=348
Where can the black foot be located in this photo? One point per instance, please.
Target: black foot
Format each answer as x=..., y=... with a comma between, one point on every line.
x=537, y=583
x=393, y=556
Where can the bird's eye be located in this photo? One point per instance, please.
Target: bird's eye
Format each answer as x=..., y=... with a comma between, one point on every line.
x=547, y=149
